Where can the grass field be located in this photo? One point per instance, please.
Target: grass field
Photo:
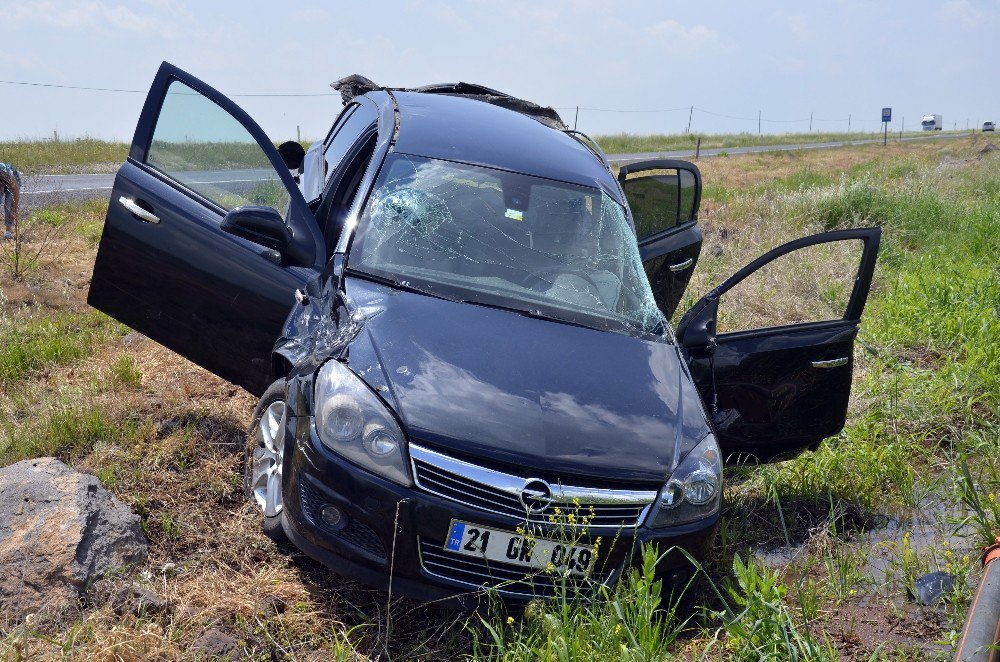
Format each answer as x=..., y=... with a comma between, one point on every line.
x=86, y=155
x=814, y=558
x=624, y=143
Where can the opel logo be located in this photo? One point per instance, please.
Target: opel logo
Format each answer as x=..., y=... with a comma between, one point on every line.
x=535, y=496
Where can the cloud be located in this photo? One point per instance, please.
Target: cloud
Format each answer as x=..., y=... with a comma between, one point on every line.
x=681, y=39
x=963, y=12
x=89, y=15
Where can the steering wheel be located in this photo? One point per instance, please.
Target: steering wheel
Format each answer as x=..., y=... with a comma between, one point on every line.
x=562, y=269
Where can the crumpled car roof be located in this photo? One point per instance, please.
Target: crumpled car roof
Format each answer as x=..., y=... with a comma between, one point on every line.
x=357, y=85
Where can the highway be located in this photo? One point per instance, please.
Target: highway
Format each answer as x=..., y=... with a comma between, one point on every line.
x=45, y=189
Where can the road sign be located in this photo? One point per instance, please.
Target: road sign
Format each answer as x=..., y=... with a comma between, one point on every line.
x=887, y=114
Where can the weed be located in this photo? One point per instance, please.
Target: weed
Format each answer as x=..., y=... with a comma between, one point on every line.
x=761, y=627
x=125, y=372
x=628, y=622
x=983, y=504
x=36, y=344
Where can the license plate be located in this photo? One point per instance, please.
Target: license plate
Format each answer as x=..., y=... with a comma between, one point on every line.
x=516, y=549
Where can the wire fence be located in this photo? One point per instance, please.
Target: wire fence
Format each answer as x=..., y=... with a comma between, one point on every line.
x=849, y=123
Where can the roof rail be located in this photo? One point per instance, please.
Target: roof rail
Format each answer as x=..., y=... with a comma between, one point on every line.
x=355, y=85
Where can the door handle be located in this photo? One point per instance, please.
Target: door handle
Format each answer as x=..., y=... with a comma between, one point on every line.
x=138, y=211
x=832, y=363
x=681, y=266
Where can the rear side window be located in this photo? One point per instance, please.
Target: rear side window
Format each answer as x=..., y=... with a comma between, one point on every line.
x=202, y=147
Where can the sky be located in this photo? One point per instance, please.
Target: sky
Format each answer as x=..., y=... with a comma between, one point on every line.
x=730, y=60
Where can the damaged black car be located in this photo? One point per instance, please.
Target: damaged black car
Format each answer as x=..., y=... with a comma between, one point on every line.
x=456, y=318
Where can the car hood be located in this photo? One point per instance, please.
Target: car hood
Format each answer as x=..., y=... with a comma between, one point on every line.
x=544, y=398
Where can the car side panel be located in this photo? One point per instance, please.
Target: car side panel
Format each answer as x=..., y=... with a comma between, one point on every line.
x=768, y=389
x=168, y=280
x=669, y=263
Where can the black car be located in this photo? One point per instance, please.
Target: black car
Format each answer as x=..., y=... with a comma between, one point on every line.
x=461, y=346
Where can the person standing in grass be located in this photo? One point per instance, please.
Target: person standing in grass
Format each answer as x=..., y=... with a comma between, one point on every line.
x=10, y=191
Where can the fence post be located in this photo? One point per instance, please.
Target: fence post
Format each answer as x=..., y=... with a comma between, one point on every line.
x=697, y=148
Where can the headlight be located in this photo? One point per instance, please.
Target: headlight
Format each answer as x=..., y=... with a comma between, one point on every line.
x=694, y=490
x=352, y=422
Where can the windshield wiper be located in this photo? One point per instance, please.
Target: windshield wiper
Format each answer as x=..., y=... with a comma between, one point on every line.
x=536, y=314
x=394, y=284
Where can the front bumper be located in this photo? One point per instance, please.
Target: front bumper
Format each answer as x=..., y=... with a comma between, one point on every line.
x=394, y=536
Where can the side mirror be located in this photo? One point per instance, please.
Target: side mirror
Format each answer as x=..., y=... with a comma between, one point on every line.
x=697, y=327
x=261, y=225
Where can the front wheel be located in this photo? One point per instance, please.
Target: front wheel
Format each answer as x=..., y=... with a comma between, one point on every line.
x=264, y=459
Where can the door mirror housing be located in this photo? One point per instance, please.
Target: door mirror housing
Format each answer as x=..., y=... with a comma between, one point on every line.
x=697, y=327
x=259, y=224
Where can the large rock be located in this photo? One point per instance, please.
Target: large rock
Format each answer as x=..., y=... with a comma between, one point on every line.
x=59, y=530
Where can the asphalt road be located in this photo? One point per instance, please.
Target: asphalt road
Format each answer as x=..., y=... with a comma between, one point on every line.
x=46, y=189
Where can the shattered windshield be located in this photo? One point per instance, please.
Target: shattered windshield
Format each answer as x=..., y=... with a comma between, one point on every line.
x=494, y=237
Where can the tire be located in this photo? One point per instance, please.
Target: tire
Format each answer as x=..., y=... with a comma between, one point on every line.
x=264, y=457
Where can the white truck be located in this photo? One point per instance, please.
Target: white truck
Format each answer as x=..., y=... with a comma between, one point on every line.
x=931, y=123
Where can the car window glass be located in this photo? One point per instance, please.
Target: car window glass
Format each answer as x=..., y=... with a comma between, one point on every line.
x=660, y=199
x=688, y=190
x=812, y=284
x=345, y=137
x=478, y=234
x=204, y=148
x=342, y=196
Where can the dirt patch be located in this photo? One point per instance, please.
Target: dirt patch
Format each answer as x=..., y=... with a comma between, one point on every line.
x=859, y=631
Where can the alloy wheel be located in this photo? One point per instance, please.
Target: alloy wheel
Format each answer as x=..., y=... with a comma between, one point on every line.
x=267, y=459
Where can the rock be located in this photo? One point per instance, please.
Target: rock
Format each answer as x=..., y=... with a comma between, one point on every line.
x=132, y=338
x=59, y=531
x=137, y=600
x=215, y=643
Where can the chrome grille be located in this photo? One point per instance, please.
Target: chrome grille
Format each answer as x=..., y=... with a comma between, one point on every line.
x=499, y=493
x=481, y=574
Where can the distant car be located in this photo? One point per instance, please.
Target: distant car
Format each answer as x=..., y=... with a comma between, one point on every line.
x=988, y=126
x=460, y=341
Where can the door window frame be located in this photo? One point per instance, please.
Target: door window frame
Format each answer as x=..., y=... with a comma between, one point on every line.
x=664, y=164
x=307, y=244
x=697, y=325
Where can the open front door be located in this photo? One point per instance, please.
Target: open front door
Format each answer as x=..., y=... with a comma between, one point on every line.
x=176, y=261
x=776, y=391
x=664, y=195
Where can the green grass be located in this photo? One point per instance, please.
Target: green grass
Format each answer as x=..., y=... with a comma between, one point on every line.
x=923, y=427
x=84, y=155
x=67, y=432
x=62, y=156
x=33, y=345
x=625, y=143
x=928, y=397
x=84, y=218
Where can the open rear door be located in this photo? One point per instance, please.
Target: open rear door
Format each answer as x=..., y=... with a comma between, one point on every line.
x=776, y=391
x=169, y=264
x=663, y=196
